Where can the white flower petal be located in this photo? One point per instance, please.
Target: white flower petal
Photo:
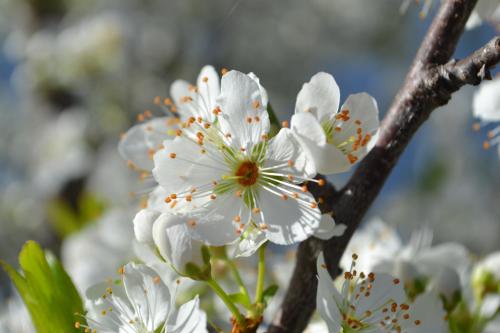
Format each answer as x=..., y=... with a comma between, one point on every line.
x=189, y=319
x=328, y=229
x=363, y=113
x=428, y=310
x=142, y=139
x=181, y=165
x=382, y=291
x=243, y=112
x=263, y=91
x=208, y=83
x=143, y=225
x=174, y=242
x=95, y=306
x=490, y=305
x=486, y=104
x=215, y=225
x=307, y=125
x=320, y=96
x=150, y=297
x=328, y=298
x=249, y=243
x=452, y=255
x=289, y=221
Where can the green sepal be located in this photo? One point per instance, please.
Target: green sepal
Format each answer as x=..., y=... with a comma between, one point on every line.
x=269, y=293
x=205, y=254
x=240, y=298
x=193, y=271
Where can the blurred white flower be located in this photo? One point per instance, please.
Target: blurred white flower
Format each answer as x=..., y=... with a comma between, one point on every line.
x=381, y=250
x=492, y=326
x=60, y=151
x=79, y=53
x=109, y=166
x=140, y=302
x=14, y=317
x=333, y=140
x=485, y=10
x=94, y=253
x=491, y=264
x=370, y=302
x=486, y=107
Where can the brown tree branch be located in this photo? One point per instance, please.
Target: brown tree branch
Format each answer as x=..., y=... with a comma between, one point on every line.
x=429, y=84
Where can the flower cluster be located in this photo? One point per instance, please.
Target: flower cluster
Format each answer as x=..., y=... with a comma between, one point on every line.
x=139, y=302
x=224, y=178
x=417, y=287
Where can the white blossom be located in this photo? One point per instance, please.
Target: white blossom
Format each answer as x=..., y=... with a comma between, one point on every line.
x=233, y=175
x=333, y=139
x=382, y=250
x=374, y=302
x=140, y=302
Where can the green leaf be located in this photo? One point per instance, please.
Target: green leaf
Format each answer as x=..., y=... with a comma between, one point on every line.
x=240, y=298
x=46, y=289
x=269, y=292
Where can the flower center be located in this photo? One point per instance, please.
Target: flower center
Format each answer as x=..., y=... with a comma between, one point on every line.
x=247, y=173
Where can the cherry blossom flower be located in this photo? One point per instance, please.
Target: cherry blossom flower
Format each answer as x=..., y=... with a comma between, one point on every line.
x=233, y=175
x=333, y=140
x=381, y=250
x=374, y=303
x=140, y=302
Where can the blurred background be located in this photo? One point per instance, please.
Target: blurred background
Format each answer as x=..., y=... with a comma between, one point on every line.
x=74, y=75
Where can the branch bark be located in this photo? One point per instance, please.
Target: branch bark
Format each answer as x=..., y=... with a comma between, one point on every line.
x=430, y=82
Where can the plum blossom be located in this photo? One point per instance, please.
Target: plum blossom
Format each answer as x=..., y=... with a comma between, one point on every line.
x=140, y=302
x=374, y=303
x=333, y=139
x=382, y=250
x=233, y=176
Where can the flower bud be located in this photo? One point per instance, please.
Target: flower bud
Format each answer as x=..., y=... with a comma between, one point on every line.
x=143, y=225
x=175, y=244
x=447, y=284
